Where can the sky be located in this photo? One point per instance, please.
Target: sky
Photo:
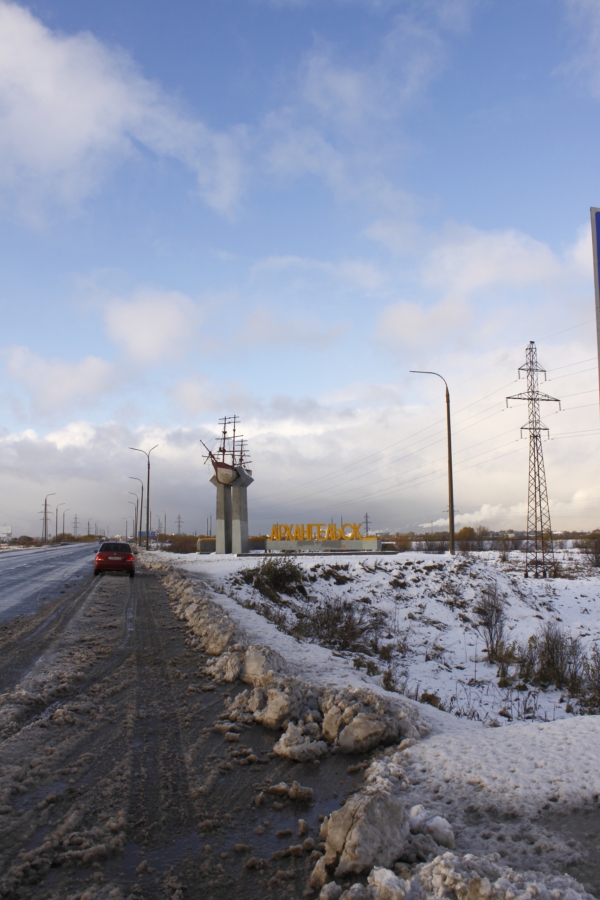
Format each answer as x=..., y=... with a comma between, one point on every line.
x=277, y=209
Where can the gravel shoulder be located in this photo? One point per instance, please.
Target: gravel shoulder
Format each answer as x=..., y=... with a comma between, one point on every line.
x=114, y=781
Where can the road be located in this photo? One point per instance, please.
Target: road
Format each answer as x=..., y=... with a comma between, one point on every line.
x=31, y=577
x=116, y=777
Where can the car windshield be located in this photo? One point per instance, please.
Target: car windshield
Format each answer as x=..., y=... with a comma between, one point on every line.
x=115, y=548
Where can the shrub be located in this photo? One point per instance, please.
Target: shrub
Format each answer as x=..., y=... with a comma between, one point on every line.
x=385, y=652
x=276, y=576
x=491, y=620
x=182, y=543
x=340, y=625
x=552, y=656
x=590, y=547
x=389, y=680
x=464, y=537
x=338, y=573
x=592, y=678
x=561, y=658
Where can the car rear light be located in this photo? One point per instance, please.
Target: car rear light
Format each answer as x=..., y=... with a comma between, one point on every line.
x=98, y=556
x=130, y=558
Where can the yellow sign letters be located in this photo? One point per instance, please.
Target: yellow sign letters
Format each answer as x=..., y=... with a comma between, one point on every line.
x=316, y=532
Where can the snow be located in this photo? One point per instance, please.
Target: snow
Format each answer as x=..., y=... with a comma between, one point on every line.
x=426, y=602
x=427, y=605
x=517, y=770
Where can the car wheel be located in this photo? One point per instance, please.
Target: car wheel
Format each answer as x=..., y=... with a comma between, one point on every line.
x=96, y=572
x=132, y=574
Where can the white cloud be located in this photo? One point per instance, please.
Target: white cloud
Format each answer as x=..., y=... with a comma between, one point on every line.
x=584, y=16
x=55, y=384
x=73, y=434
x=466, y=260
x=493, y=516
x=72, y=108
x=154, y=325
x=463, y=265
x=409, y=325
x=302, y=150
x=354, y=272
x=261, y=327
x=339, y=91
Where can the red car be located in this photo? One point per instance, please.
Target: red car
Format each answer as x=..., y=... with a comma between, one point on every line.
x=114, y=556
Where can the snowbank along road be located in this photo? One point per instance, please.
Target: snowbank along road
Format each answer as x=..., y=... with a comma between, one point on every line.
x=160, y=739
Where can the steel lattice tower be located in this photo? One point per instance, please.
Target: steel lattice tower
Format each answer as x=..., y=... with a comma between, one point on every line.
x=539, y=552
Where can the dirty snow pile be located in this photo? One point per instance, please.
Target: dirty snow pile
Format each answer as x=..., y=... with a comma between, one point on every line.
x=313, y=718
x=465, y=878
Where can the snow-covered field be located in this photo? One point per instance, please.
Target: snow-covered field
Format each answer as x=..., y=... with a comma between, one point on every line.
x=419, y=612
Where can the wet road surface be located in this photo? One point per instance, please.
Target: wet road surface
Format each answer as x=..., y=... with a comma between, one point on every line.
x=114, y=782
x=29, y=578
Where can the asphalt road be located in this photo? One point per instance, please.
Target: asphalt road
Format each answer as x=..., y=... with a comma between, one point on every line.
x=122, y=776
x=29, y=578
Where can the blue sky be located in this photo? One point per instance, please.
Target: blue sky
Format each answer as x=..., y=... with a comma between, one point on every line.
x=278, y=209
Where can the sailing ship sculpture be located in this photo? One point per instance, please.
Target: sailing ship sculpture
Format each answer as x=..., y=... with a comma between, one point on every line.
x=231, y=479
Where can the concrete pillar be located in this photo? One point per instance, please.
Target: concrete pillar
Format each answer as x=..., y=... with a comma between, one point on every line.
x=239, y=512
x=223, y=525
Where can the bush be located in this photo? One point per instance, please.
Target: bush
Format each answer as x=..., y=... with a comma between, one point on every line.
x=276, y=576
x=592, y=678
x=464, y=537
x=590, y=547
x=552, y=656
x=561, y=658
x=491, y=620
x=339, y=625
x=182, y=543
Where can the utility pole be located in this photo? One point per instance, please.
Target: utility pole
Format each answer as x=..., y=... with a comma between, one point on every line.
x=139, y=534
x=75, y=525
x=366, y=521
x=147, y=453
x=136, y=528
x=449, y=442
x=595, y=214
x=68, y=509
x=179, y=523
x=88, y=527
x=56, y=522
x=539, y=550
x=45, y=529
x=135, y=512
x=164, y=522
x=126, y=524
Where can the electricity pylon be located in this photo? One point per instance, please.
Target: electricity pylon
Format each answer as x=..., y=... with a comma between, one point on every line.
x=539, y=552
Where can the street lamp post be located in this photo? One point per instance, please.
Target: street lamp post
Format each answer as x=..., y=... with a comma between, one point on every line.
x=147, y=454
x=135, y=513
x=126, y=527
x=56, y=521
x=164, y=522
x=450, y=480
x=53, y=494
x=65, y=511
x=139, y=533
